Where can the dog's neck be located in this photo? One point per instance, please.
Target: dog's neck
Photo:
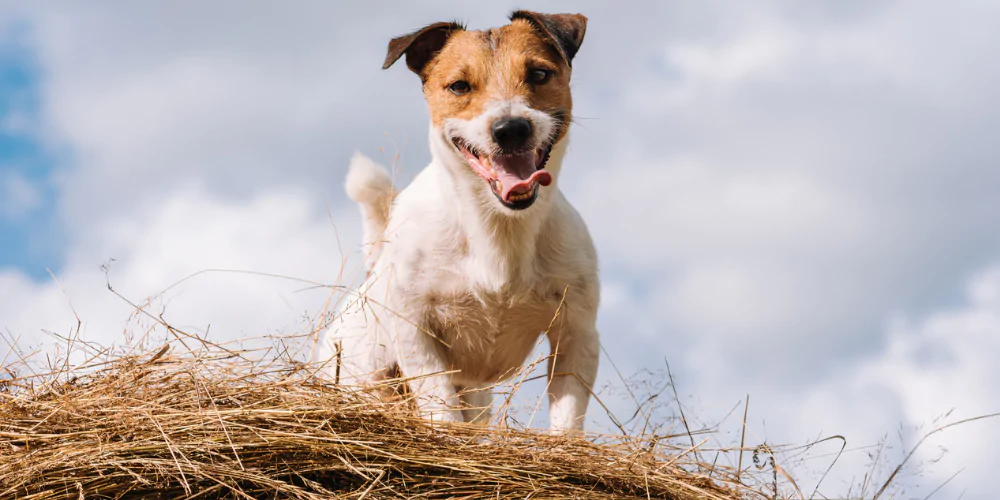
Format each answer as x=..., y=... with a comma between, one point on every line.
x=503, y=244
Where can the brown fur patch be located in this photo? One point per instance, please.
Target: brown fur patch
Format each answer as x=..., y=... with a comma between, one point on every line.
x=496, y=64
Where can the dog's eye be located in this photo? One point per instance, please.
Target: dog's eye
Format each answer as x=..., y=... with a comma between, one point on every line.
x=539, y=76
x=460, y=87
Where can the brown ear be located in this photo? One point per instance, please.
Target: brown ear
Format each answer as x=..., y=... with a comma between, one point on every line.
x=565, y=31
x=420, y=46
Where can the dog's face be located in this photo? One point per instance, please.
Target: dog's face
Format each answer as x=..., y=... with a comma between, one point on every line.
x=499, y=97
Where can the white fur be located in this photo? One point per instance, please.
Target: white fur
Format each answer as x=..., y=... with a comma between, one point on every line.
x=370, y=185
x=476, y=131
x=462, y=287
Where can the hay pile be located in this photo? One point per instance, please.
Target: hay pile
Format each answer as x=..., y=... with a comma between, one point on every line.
x=221, y=426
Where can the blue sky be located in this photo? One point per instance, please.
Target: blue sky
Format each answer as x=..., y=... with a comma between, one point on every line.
x=27, y=222
x=792, y=201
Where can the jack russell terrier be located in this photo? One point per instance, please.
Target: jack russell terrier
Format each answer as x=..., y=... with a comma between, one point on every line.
x=482, y=253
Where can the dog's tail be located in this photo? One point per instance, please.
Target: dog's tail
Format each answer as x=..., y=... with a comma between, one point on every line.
x=369, y=184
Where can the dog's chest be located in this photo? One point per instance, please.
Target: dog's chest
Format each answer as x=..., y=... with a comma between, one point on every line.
x=490, y=333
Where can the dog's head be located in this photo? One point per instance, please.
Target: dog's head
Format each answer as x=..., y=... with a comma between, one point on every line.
x=498, y=98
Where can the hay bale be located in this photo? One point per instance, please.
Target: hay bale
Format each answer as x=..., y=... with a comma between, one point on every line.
x=220, y=426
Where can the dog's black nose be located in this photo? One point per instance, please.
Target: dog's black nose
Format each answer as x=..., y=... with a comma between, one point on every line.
x=511, y=134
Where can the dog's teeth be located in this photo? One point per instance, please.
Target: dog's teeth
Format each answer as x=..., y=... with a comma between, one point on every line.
x=520, y=197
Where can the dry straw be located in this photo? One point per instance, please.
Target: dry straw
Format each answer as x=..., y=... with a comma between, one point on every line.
x=217, y=422
x=218, y=425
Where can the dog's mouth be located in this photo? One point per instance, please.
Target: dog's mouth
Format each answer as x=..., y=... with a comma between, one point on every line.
x=513, y=178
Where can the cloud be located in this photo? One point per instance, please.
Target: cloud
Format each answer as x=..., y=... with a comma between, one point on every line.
x=231, y=114
x=945, y=362
x=281, y=234
x=932, y=371
x=798, y=193
x=770, y=186
x=782, y=191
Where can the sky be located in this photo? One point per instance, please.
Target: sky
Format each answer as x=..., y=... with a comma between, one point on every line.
x=791, y=201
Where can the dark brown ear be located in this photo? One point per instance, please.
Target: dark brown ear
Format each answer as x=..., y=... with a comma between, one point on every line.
x=565, y=31
x=420, y=46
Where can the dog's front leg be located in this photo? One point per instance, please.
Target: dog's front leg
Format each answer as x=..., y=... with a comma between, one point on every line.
x=572, y=371
x=421, y=359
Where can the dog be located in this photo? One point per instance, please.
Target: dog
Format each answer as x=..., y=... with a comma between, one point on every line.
x=481, y=254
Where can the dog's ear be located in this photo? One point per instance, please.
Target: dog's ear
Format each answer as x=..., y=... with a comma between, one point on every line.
x=420, y=46
x=564, y=31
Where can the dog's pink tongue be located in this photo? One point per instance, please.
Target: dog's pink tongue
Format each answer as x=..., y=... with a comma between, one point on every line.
x=518, y=173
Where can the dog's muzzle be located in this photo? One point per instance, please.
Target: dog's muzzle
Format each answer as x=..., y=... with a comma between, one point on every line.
x=514, y=174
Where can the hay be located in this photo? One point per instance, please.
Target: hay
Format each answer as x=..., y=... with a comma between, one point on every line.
x=221, y=426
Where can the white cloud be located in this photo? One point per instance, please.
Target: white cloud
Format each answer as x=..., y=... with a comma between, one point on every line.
x=948, y=361
x=798, y=193
x=766, y=185
x=281, y=233
x=934, y=370
x=712, y=69
x=772, y=204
